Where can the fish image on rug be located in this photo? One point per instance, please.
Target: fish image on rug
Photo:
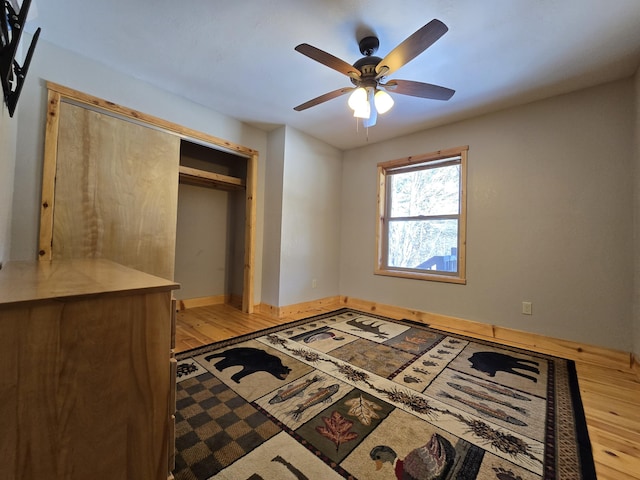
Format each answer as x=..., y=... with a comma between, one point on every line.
x=494, y=388
x=252, y=360
x=317, y=335
x=490, y=363
x=429, y=462
x=322, y=395
x=294, y=390
x=322, y=336
x=485, y=396
x=485, y=409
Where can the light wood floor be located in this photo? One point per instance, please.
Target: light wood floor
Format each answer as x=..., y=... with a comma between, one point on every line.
x=611, y=397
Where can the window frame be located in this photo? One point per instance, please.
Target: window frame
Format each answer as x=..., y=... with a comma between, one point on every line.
x=387, y=168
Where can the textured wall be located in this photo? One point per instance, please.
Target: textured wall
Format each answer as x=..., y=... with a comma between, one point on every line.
x=550, y=218
x=636, y=241
x=311, y=205
x=7, y=165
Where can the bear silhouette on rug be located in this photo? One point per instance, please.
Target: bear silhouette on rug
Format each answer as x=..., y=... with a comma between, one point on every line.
x=252, y=360
x=491, y=362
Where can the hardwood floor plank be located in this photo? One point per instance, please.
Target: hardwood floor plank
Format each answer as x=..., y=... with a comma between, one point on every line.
x=625, y=418
x=605, y=375
x=605, y=472
x=595, y=423
x=616, y=453
x=629, y=395
x=611, y=396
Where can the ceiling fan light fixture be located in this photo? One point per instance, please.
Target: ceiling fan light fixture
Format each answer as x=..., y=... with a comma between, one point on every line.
x=383, y=101
x=363, y=111
x=358, y=100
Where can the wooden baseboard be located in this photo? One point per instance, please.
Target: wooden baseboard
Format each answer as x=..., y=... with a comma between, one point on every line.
x=310, y=308
x=530, y=341
x=210, y=300
x=635, y=365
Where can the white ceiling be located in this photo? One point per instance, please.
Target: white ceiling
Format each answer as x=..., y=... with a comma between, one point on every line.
x=237, y=56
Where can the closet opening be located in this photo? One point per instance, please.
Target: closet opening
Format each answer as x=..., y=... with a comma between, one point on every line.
x=211, y=227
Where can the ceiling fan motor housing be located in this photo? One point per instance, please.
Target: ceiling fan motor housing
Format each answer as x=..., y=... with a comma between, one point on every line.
x=367, y=64
x=369, y=45
x=367, y=68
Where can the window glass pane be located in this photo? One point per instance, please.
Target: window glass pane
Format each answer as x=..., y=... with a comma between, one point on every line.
x=432, y=191
x=424, y=245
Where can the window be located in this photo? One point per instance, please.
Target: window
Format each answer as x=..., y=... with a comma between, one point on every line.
x=421, y=231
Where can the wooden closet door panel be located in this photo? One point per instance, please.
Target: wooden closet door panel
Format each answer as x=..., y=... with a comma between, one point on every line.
x=116, y=191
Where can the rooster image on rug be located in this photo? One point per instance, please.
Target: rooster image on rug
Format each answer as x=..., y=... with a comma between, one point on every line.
x=429, y=462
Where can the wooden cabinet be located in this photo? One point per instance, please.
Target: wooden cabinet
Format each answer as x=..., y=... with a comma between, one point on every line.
x=87, y=388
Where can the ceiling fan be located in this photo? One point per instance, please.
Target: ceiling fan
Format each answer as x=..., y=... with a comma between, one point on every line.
x=369, y=97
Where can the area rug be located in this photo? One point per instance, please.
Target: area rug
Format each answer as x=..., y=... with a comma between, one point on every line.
x=360, y=396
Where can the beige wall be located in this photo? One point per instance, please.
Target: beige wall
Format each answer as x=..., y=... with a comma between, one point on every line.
x=311, y=203
x=636, y=241
x=302, y=242
x=210, y=229
x=7, y=165
x=274, y=178
x=549, y=218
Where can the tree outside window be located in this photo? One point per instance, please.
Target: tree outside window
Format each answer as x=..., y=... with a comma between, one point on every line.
x=422, y=216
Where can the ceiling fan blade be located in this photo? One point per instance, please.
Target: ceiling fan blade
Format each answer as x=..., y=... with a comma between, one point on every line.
x=411, y=47
x=328, y=60
x=323, y=98
x=418, y=89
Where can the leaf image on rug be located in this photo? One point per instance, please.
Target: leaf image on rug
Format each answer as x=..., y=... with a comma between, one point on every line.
x=337, y=429
x=363, y=409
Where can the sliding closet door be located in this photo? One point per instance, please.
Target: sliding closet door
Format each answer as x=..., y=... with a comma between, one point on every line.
x=116, y=191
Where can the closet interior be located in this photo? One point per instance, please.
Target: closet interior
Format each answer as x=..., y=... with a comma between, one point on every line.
x=210, y=243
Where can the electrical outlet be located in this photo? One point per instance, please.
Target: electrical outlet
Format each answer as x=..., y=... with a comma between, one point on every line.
x=526, y=308
x=314, y=283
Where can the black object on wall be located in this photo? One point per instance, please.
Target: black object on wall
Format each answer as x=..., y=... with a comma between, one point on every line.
x=13, y=75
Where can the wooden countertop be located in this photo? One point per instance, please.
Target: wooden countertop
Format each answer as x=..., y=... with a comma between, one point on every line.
x=28, y=281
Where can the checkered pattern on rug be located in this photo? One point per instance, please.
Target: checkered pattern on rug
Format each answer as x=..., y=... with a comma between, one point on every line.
x=214, y=427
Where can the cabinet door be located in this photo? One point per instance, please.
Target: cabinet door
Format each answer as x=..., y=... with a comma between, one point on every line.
x=116, y=191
